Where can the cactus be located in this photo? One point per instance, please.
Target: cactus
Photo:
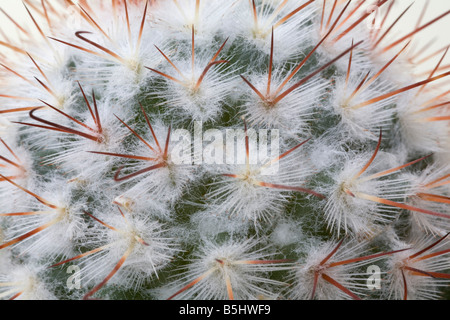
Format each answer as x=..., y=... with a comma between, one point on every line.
x=210, y=149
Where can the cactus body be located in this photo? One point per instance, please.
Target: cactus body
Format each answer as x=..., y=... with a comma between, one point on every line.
x=210, y=149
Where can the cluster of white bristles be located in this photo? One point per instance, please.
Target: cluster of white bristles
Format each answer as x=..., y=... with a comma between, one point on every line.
x=105, y=192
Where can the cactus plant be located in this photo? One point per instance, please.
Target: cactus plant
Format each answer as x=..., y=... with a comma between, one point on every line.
x=210, y=149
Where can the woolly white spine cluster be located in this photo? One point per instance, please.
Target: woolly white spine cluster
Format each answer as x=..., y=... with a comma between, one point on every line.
x=98, y=167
